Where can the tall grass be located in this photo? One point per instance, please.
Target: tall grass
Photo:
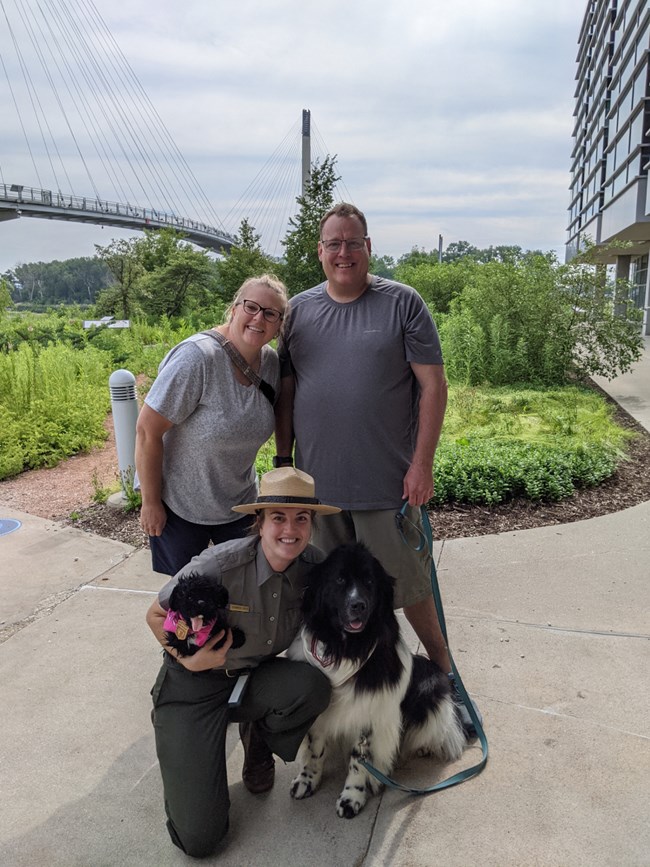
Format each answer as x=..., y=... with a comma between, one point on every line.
x=496, y=443
x=53, y=402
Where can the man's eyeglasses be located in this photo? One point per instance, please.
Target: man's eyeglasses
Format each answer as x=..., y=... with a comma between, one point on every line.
x=253, y=308
x=353, y=244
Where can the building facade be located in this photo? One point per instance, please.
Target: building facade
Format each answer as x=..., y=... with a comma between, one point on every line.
x=610, y=195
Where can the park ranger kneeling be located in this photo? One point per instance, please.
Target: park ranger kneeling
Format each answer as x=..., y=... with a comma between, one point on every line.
x=265, y=575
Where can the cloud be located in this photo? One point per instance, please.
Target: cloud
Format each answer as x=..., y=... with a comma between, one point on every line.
x=452, y=118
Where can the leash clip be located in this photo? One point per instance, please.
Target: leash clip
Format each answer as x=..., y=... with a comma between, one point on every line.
x=404, y=523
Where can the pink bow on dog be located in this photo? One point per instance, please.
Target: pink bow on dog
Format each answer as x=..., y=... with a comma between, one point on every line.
x=176, y=624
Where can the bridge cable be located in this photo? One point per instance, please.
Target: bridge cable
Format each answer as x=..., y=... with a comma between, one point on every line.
x=36, y=46
x=96, y=134
x=104, y=97
x=126, y=74
x=20, y=60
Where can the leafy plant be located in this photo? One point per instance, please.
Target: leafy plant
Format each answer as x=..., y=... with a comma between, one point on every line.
x=530, y=320
x=53, y=403
x=101, y=493
x=540, y=444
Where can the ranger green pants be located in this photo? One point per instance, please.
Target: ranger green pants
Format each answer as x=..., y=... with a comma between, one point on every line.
x=190, y=718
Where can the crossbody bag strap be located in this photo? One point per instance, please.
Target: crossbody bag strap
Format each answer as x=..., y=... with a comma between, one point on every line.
x=238, y=359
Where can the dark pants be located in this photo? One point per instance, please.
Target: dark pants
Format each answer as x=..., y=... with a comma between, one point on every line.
x=181, y=540
x=190, y=718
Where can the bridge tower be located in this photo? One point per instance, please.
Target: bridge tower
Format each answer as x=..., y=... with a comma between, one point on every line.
x=306, y=148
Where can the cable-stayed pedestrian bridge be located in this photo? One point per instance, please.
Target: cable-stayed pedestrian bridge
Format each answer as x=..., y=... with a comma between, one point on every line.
x=82, y=141
x=17, y=200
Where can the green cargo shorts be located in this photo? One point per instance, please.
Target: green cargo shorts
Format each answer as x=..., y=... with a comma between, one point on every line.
x=377, y=529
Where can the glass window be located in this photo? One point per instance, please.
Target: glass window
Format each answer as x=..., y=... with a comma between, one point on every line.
x=622, y=148
x=636, y=130
x=639, y=278
x=627, y=72
x=640, y=84
x=642, y=41
x=607, y=195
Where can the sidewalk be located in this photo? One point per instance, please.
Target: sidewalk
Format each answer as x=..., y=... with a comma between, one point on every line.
x=549, y=628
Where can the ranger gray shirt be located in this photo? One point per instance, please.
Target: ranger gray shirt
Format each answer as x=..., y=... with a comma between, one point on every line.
x=356, y=400
x=264, y=603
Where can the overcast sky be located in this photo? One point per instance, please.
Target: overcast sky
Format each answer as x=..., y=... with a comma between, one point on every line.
x=451, y=118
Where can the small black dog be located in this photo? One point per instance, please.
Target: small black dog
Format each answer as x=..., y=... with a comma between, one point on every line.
x=197, y=611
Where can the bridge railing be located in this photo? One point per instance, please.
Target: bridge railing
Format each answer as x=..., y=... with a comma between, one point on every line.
x=46, y=198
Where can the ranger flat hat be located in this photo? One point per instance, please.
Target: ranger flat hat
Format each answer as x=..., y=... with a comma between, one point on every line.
x=287, y=488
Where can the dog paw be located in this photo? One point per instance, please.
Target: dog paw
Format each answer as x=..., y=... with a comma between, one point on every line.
x=238, y=637
x=302, y=786
x=348, y=806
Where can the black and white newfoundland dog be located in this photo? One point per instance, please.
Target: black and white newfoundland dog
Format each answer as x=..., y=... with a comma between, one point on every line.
x=385, y=700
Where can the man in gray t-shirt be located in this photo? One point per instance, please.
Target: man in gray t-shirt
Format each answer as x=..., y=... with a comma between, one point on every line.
x=364, y=393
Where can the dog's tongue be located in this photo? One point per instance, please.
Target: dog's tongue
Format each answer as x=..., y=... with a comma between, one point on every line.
x=355, y=625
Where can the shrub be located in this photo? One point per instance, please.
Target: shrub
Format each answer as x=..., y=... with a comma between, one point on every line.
x=540, y=444
x=536, y=322
x=54, y=402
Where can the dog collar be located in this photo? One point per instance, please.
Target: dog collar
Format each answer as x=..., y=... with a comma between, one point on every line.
x=307, y=647
x=175, y=623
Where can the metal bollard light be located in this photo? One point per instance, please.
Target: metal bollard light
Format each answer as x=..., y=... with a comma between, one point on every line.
x=124, y=405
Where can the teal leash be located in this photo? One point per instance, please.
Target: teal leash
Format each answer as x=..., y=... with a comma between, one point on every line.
x=467, y=773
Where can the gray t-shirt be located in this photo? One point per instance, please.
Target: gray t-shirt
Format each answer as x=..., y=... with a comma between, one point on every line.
x=264, y=603
x=219, y=426
x=356, y=399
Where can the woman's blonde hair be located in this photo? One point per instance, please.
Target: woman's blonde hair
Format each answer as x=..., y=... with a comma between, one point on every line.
x=271, y=282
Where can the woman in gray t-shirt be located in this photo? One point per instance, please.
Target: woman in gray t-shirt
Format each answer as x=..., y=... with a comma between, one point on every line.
x=201, y=427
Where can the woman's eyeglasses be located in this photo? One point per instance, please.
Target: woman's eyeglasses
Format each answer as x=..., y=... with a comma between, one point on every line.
x=253, y=308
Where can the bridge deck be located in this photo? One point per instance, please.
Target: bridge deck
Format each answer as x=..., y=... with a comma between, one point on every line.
x=19, y=201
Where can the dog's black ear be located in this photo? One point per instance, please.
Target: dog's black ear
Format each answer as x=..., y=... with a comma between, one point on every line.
x=173, y=598
x=386, y=582
x=310, y=594
x=181, y=587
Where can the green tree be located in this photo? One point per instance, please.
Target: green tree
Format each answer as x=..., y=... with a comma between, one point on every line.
x=418, y=256
x=122, y=260
x=437, y=284
x=382, y=266
x=175, y=277
x=536, y=322
x=30, y=280
x=603, y=326
x=70, y=281
x=157, y=274
x=459, y=250
x=5, y=296
x=179, y=282
x=245, y=259
x=302, y=267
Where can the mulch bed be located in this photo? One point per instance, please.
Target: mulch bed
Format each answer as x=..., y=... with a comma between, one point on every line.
x=629, y=486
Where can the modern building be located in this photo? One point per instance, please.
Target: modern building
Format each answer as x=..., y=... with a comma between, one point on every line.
x=610, y=195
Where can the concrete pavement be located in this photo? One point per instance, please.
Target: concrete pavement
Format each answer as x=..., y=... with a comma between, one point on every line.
x=549, y=629
x=632, y=390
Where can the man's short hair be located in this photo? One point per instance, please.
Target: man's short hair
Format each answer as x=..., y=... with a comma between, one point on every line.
x=343, y=209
